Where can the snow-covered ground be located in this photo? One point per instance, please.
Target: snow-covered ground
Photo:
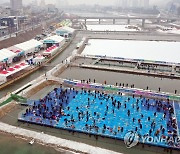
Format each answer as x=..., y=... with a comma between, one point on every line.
x=173, y=31
x=52, y=140
x=109, y=28
x=168, y=30
x=132, y=49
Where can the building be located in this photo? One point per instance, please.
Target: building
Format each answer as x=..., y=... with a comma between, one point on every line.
x=135, y=3
x=16, y=5
x=124, y=3
x=7, y=21
x=62, y=3
x=3, y=30
x=35, y=3
x=30, y=46
x=51, y=7
x=5, y=11
x=54, y=40
x=141, y=3
x=42, y=3
x=65, y=31
x=146, y=3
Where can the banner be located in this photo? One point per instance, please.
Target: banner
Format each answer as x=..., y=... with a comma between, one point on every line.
x=123, y=90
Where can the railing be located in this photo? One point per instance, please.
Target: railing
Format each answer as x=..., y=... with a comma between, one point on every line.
x=132, y=91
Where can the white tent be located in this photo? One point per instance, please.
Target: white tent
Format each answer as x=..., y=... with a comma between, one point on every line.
x=51, y=51
x=55, y=39
x=13, y=70
x=6, y=55
x=68, y=29
x=29, y=46
x=39, y=59
x=65, y=30
x=16, y=50
x=3, y=79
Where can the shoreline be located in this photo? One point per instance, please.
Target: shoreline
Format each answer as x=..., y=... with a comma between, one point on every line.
x=52, y=141
x=25, y=139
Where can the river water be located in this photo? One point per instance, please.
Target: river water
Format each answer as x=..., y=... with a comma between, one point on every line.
x=140, y=81
x=12, y=145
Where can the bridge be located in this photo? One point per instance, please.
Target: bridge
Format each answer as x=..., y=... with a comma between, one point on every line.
x=128, y=18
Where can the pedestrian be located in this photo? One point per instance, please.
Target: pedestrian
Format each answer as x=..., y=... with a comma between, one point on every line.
x=159, y=89
x=128, y=113
x=175, y=91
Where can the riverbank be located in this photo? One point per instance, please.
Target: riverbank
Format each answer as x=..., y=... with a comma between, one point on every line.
x=20, y=145
x=50, y=140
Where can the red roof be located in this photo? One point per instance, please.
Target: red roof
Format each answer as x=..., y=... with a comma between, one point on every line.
x=17, y=51
x=22, y=64
x=4, y=72
x=17, y=66
x=11, y=69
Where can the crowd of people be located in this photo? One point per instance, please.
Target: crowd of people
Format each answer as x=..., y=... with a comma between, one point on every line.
x=105, y=114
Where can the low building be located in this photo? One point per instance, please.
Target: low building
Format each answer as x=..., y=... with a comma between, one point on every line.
x=9, y=22
x=30, y=46
x=19, y=53
x=3, y=30
x=53, y=40
x=6, y=56
x=65, y=31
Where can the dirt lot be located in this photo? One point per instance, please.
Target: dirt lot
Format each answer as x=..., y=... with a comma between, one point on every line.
x=20, y=38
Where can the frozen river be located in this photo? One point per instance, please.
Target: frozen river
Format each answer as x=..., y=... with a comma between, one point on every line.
x=131, y=49
x=109, y=28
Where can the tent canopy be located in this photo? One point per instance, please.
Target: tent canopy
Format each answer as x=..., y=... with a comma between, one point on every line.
x=51, y=50
x=15, y=50
x=66, y=29
x=14, y=69
x=39, y=58
x=28, y=46
x=54, y=39
x=6, y=54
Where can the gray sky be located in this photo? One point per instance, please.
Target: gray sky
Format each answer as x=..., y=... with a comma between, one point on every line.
x=104, y=2
x=101, y=2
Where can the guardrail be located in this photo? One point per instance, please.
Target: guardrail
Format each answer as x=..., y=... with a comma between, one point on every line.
x=134, y=91
x=135, y=60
